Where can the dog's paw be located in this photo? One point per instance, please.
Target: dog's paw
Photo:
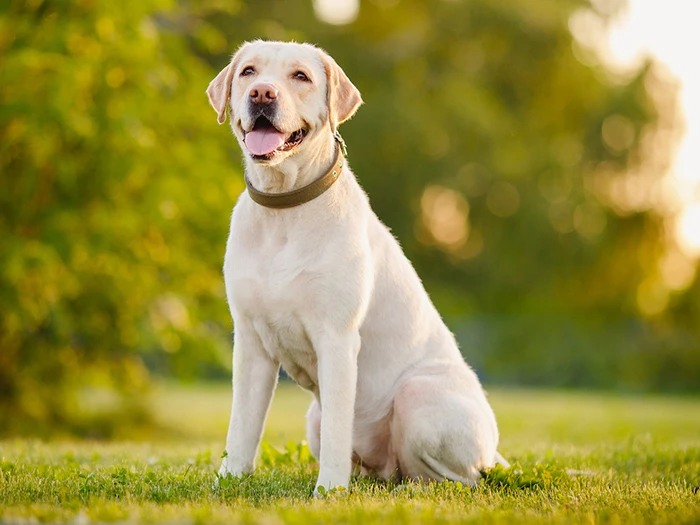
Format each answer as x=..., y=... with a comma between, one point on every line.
x=223, y=469
x=331, y=483
x=229, y=471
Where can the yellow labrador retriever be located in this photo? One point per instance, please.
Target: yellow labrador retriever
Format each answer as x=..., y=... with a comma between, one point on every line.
x=317, y=284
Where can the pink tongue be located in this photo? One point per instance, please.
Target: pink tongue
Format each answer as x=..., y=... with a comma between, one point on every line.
x=263, y=141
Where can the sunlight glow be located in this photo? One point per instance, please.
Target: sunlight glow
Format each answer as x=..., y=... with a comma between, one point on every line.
x=446, y=216
x=688, y=229
x=667, y=31
x=337, y=12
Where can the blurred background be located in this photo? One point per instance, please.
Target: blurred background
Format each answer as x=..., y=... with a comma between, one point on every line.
x=538, y=160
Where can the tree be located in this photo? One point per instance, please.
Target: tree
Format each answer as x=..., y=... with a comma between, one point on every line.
x=116, y=188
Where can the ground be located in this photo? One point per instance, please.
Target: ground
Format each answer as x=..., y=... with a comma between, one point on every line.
x=640, y=456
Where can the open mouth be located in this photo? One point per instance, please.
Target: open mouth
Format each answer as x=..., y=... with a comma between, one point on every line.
x=264, y=141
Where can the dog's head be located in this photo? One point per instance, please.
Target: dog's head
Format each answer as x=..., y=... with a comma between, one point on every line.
x=282, y=97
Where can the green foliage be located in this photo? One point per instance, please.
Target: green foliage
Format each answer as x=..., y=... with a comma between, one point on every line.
x=116, y=186
x=293, y=454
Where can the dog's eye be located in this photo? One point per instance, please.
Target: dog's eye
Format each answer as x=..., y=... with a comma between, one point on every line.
x=247, y=71
x=300, y=75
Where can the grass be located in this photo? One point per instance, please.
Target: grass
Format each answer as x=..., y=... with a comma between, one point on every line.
x=643, y=454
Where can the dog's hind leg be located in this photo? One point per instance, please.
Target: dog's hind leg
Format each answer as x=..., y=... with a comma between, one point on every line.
x=443, y=433
x=433, y=469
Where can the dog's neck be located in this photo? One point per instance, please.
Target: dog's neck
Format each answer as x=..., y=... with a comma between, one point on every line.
x=297, y=170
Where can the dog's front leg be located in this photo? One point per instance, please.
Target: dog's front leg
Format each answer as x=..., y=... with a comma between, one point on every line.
x=254, y=380
x=337, y=375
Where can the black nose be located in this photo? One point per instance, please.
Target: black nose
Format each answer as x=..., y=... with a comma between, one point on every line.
x=263, y=94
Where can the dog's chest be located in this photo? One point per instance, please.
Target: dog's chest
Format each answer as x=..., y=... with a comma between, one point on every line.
x=271, y=283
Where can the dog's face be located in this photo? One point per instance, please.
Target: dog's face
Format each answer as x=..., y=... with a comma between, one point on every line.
x=282, y=97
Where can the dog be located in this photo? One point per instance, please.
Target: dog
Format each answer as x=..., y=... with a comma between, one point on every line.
x=317, y=284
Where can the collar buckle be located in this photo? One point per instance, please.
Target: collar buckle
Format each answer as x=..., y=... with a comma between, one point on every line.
x=340, y=141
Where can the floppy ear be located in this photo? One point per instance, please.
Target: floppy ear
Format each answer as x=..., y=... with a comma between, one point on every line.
x=343, y=97
x=219, y=90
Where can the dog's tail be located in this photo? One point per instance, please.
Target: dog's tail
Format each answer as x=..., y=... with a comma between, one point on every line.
x=500, y=460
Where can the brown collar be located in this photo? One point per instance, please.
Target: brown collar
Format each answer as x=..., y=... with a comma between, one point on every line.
x=307, y=193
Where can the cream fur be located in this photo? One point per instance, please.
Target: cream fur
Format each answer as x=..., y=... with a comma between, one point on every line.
x=324, y=290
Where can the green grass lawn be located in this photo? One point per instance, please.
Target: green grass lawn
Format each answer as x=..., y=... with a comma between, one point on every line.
x=643, y=455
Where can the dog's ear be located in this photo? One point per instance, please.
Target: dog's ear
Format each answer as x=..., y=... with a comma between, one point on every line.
x=219, y=90
x=342, y=96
